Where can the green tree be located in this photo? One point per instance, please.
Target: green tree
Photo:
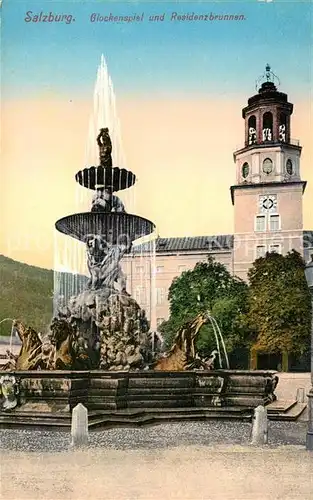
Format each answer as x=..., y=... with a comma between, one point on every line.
x=279, y=307
x=209, y=286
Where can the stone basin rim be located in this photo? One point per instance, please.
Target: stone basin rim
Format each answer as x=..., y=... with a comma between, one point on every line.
x=102, y=222
x=136, y=374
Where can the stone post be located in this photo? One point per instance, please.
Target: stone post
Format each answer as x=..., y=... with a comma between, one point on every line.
x=259, y=426
x=79, y=427
x=300, y=395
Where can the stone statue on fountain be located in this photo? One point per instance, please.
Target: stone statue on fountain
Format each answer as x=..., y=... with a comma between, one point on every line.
x=103, y=261
x=105, y=147
x=104, y=200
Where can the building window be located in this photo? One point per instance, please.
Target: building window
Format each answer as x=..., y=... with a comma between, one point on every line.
x=274, y=222
x=275, y=248
x=260, y=223
x=260, y=251
x=160, y=321
x=159, y=269
x=140, y=295
x=182, y=268
x=160, y=295
x=139, y=269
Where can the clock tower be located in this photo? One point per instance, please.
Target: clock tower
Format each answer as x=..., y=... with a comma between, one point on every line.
x=267, y=196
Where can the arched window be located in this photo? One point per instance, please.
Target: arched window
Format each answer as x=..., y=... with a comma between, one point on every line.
x=267, y=129
x=252, y=130
x=282, y=127
x=245, y=170
x=267, y=166
x=289, y=167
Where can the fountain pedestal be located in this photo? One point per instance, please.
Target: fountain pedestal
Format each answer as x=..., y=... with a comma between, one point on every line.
x=119, y=398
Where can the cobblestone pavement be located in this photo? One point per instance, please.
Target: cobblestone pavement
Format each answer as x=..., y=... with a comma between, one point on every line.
x=157, y=436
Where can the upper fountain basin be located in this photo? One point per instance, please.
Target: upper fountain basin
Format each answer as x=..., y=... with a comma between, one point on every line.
x=114, y=177
x=113, y=224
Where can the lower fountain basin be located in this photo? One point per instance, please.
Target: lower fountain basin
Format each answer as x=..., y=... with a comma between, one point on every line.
x=115, y=224
x=106, y=394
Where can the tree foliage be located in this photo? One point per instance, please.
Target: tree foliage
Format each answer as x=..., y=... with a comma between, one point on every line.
x=279, y=306
x=209, y=286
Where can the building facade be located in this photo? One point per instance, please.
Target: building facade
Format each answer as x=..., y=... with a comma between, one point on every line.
x=267, y=205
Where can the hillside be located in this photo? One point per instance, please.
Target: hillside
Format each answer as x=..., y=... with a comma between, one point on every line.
x=25, y=294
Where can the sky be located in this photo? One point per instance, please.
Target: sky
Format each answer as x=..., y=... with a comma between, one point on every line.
x=180, y=87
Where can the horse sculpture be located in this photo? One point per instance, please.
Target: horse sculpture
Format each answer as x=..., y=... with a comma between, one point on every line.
x=182, y=354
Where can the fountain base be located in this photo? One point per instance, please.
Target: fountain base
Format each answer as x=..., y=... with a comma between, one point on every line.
x=46, y=398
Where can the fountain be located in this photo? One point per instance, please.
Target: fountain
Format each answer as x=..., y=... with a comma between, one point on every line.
x=98, y=349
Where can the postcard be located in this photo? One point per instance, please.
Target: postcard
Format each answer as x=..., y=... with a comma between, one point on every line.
x=145, y=144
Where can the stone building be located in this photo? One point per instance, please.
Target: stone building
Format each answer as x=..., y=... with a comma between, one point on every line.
x=266, y=200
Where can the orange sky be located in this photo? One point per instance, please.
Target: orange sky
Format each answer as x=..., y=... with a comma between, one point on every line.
x=180, y=150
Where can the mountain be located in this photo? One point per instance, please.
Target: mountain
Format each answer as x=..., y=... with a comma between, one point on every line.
x=25, y=294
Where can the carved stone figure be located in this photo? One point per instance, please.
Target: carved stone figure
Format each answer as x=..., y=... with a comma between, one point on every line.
x=61, y=336
x=182, y=354
x=9, y=391
x=271, y=384
x=30, y=355
x=266, y=134
x=103, y=261
x=105, y=147
x=252, y=135
x=282, y=133
x=105, y=201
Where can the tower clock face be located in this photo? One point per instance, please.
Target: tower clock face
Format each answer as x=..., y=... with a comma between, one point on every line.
x=267, y=166
x=268, y=202
x=289, y=167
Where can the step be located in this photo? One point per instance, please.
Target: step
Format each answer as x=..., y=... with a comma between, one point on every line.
x=281, y=406
x=121, y=417
x=152, y=419
x=9, y=424
x=290, y=415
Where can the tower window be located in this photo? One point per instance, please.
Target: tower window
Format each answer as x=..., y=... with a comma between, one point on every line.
x=289, y=167
x=260, y=223
x=274, y=222
x=267, y=130
x=252, y=130
x=267, y=166
x=245, y=170
x=282, y=127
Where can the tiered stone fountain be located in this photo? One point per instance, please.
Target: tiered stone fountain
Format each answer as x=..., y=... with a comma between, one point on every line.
x=109, y=327
x=98, y=351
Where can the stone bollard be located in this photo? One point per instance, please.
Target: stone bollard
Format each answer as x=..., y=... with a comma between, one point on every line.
x=259, y=426
x=300, y=397
x=79, y=427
